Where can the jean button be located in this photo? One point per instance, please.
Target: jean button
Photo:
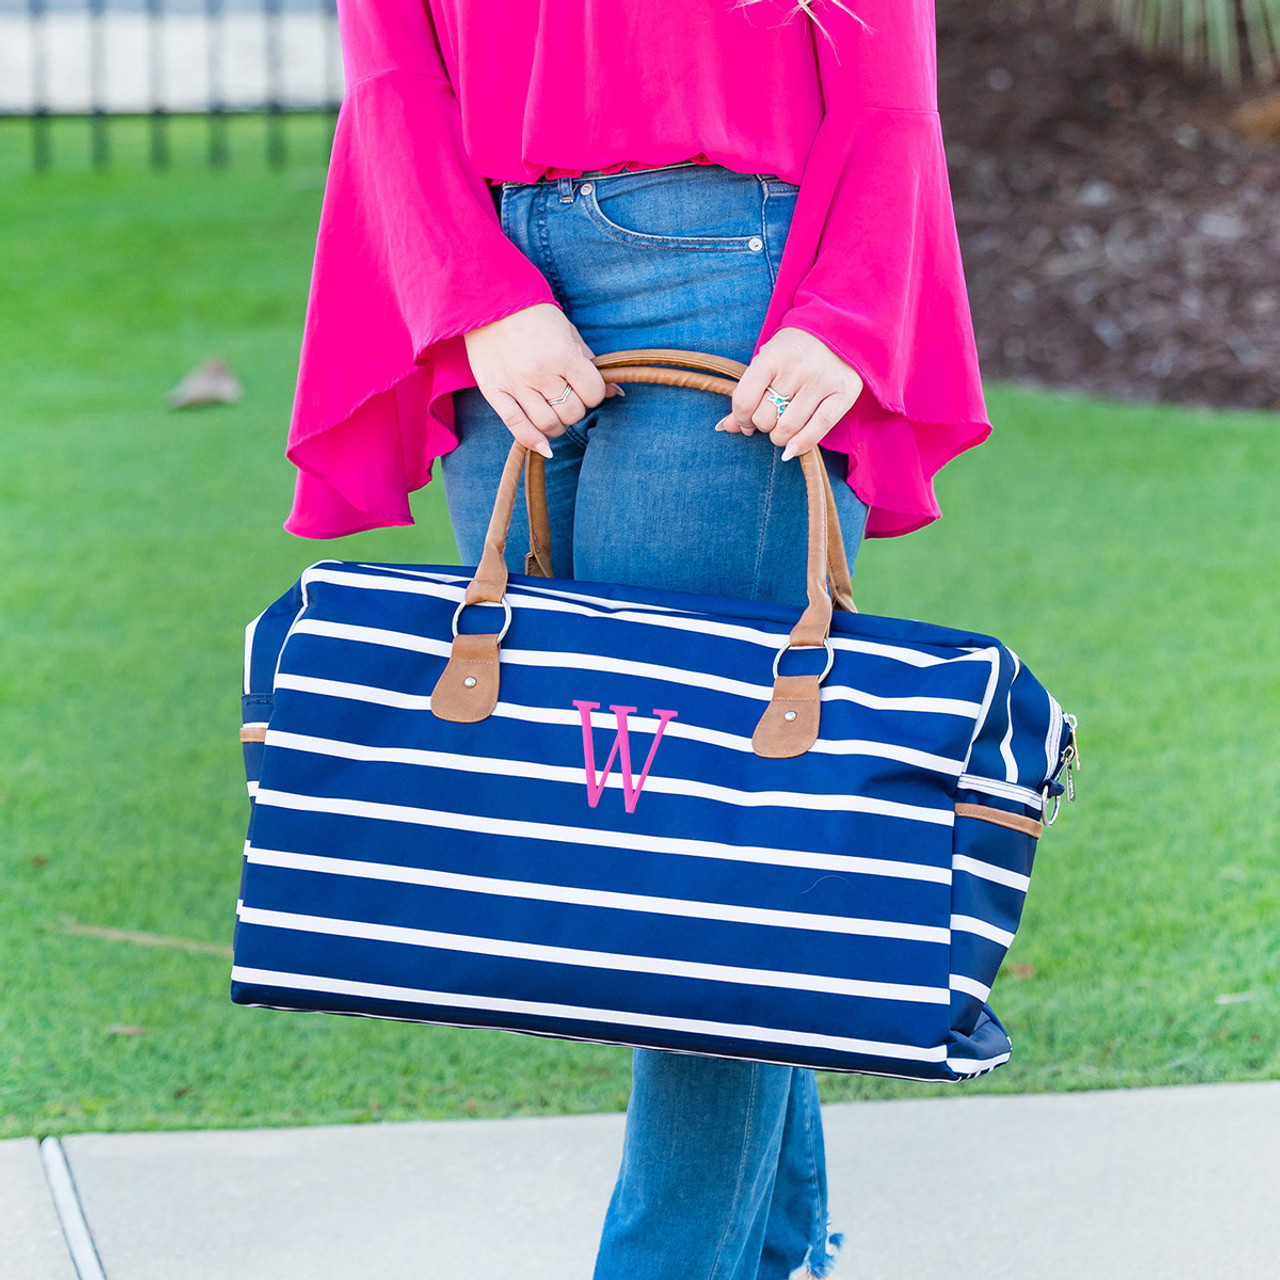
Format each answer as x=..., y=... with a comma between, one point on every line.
x=586, y=188
x=755, y=244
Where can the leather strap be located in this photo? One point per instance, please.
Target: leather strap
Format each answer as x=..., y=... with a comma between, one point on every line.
x=537, y=562
x=789, y=726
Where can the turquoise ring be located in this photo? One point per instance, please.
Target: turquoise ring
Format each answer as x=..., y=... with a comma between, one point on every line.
x=779, y=402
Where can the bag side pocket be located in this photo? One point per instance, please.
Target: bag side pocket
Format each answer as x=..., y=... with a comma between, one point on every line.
x=991, y=869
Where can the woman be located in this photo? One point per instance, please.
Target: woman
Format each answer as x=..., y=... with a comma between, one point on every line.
x=517, y=185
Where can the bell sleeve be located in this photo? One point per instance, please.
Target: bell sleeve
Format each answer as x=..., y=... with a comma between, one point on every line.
x=409, y=256
x=872, y=261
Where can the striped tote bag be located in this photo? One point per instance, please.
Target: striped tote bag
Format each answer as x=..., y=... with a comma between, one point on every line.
x=640, y=817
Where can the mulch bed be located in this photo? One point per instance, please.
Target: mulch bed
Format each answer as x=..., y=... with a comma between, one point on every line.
x=1120, y=234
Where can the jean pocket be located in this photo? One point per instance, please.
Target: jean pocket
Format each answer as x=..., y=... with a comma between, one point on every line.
x=699, y=208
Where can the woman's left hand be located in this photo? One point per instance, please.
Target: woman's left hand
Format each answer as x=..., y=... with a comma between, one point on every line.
x=794, y=363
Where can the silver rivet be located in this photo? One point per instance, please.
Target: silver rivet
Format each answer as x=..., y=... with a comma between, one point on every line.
x=788, y=716
x=586, y=188
x=470, y=682
x=755, y=244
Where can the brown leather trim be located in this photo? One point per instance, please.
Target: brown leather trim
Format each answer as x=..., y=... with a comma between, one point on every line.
x=838, y=574
x=776, y=737
x=537, y=561
x=828, y=581
x=814, y=623
x=1001, y=818
x=670, y=377
x=490, y=583
x=672, y=355
x=253, y=733
x=475, y=658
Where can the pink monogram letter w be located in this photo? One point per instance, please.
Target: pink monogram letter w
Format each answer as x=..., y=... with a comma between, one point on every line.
x=631, y=788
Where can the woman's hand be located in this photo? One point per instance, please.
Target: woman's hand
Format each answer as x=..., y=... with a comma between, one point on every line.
x=793, y=363
x=528, y=358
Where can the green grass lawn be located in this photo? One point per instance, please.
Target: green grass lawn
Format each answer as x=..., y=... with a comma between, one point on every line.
x=1129, y=554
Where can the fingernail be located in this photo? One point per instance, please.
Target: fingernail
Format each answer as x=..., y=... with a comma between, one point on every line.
x=748, y=431
x=544, y=448
x=719, y=426
x=789, y=452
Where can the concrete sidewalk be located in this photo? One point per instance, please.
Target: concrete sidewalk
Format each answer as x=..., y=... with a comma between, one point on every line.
x=1148, y=1184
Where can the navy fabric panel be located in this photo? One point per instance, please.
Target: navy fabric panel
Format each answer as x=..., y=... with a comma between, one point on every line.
x=677, y=756
x=603, y=929
x=249, y=993
x=670, y=875
x=976, y=957
x=966, y=1009
x=565, y=804
x=997, y=904
x=464, y=973
x=987, y=1040
x=759, y=613
x=270, y=629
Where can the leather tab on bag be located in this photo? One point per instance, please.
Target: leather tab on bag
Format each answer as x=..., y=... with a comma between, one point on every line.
x=467, y=690
x=1001, y=818
x=789, y=726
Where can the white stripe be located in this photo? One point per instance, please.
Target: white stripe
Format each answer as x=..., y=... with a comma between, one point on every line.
x=625, y=666
x=249, y=632
x=932, y=706
x=657, y=1022
x=253, y=789
x=661, y=966
x=1006, y=743
x=1054, y=736
x=559, y=601
x=606, y=720
x=994, y=787
x=848, y=863
x=492, y=767
x=574, y=896
x=997, y=875
x=993, y=655
x=976, y=1067
x=969, y=986
x=302, y=608
x=971, y=924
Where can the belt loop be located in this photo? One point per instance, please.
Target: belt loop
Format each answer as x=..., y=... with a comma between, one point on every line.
x=564, y=186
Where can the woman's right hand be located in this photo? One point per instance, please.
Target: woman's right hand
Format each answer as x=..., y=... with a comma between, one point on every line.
x=528, y=358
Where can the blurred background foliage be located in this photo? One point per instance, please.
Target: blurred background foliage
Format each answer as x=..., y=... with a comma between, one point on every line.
x=1237, y=40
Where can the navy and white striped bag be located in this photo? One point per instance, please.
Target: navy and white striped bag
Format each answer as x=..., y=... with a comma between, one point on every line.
x=611, y=822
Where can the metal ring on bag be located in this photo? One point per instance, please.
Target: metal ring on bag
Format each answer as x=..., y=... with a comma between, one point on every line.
x=826, y=644
x=1049, y=816
x=462, y=604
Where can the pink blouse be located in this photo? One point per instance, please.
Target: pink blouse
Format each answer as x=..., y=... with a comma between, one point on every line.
x=445, y=97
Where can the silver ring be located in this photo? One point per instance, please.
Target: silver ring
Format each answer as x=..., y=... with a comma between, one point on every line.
x=786, y=648
x=778, y=400
x=562, y=397
x=506, y=622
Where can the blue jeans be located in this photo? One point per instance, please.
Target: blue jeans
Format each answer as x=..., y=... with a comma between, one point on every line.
x=722, y=1172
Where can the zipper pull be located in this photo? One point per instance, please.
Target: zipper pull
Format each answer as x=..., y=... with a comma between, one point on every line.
x=1071, y=759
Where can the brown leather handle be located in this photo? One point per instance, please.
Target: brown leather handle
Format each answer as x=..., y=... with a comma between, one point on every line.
x=468, y=688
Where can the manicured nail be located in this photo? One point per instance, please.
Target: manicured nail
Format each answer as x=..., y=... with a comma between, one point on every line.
x=720, y=426
x=748, y=431
x=544, y=448
x=790, y=451
x=615, y=390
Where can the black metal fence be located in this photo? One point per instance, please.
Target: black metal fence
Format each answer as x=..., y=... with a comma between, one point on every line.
x=103, y=59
